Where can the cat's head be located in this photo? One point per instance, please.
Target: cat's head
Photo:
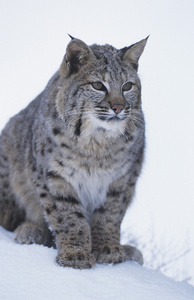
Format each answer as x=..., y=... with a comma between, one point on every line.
x=100, y=86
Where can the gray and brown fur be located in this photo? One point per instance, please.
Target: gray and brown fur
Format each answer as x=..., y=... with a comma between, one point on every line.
x=70, y=160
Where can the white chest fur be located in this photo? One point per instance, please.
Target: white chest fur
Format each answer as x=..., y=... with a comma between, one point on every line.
x=92, y=186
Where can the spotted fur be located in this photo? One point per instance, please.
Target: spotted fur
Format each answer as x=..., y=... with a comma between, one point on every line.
x=70, y=160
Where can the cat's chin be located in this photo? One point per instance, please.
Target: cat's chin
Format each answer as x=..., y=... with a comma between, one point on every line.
x=114, y=124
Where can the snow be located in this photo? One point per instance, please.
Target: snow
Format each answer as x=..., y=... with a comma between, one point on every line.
x=30, y=272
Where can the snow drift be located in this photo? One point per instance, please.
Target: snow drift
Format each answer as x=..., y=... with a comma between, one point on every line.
x=30, y=272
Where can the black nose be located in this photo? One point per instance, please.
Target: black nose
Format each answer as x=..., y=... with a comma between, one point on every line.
x=117, y=108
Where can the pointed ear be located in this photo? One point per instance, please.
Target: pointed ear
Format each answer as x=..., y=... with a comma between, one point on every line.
x=77, y=54
x=132, y=54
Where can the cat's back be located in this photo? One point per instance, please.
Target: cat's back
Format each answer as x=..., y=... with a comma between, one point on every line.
x=15, y=139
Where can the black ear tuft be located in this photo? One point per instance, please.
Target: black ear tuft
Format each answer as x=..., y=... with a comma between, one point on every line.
x=71, y=37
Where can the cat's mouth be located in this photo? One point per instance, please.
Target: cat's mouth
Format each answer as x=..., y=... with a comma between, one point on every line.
x=110, y=115
x=112, y=118
x=116, y=118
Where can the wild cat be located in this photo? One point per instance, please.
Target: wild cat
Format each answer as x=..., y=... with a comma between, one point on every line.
x=69, y=162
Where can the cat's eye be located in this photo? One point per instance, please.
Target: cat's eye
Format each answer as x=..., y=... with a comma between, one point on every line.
x=127, y=86
x=98, y=86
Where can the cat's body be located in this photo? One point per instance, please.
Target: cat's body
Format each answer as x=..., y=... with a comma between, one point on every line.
x=70, y=160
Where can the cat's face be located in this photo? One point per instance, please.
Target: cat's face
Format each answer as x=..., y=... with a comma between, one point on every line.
x=100, y=85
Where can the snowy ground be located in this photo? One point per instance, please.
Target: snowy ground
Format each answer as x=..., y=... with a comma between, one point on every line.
x=30, y=272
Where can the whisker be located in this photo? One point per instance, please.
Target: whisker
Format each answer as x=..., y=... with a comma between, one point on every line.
x=137, y=121
x=135, y=115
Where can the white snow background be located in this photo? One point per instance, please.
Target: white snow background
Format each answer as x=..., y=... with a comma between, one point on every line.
x=33, y=39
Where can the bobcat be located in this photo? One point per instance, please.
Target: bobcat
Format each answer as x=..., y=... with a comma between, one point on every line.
x=70, y=160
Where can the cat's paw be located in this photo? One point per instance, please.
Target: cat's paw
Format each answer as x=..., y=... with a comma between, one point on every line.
x=29, y=233
x=133, y=253
x=110, y=254
x=77, y=259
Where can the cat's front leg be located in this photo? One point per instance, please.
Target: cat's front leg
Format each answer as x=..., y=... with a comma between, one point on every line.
x=72, y=232
x=105, y=228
